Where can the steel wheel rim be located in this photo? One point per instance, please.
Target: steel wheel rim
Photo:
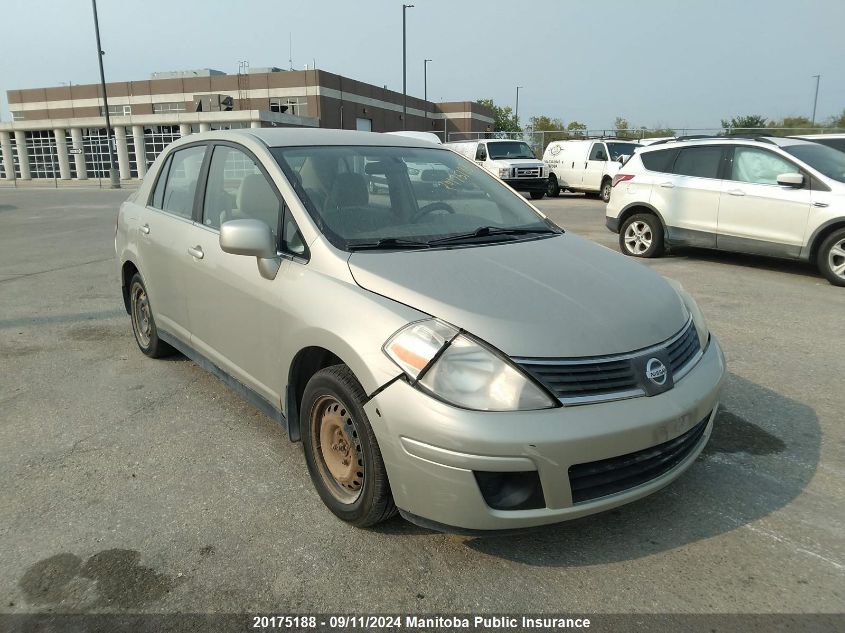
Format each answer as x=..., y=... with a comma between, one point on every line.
x=638, y=238
x=337, y=448
x=836, y=259
x=142, y=321
x=605, y=192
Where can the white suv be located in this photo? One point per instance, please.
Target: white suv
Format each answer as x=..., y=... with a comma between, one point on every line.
x=769, y=196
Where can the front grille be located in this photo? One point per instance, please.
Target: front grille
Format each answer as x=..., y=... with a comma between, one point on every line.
x=610, y=476
x=528, y=172
x=585, y=380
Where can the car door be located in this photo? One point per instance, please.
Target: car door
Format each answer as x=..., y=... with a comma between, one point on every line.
x=594, y=167
x=756, y=214
x=238, y=316
x=164, y=226
x=688, y=197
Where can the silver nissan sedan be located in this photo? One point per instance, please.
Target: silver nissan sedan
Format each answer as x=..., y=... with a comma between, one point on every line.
x=440, y=348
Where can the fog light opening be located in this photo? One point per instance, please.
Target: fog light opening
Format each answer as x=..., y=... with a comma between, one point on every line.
x=511, y=490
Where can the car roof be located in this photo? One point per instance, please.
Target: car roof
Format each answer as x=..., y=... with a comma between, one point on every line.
x=758, y=141
x=299, y=137
x=818, y=136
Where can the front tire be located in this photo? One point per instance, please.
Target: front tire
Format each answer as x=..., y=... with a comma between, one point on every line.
x=537, y=195
x=143, y=324
x=341, y=450
x=831, y=258
x=604, y=192
x=553, y=190
x=642, y=236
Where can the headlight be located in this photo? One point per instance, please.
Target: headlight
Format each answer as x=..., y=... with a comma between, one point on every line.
x=695, y=312
x=504, y=172
x=461, y=371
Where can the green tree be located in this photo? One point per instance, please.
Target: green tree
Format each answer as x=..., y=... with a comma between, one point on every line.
x=838, y=121
x=792, y=125
x=546, y=130
x=503, y=118
x=576, y=128
x=745, y=123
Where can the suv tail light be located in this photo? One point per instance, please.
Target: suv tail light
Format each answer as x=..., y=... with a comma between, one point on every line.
x=621, y=178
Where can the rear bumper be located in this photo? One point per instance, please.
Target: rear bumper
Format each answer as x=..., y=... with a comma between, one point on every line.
x=527, y=184
x=612, y=224
x=432, y=450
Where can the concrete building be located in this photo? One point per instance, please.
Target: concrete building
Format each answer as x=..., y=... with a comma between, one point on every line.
x=60, y=132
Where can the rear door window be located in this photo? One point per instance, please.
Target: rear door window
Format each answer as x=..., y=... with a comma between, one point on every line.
x=181, y=185
x=660, y=161
x=701, y=162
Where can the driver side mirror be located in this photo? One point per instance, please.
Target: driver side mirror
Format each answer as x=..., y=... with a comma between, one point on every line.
x=791, y=180
x=252, y=238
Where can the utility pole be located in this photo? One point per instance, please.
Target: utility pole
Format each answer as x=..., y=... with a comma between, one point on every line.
x=405, y=7
x=516, y=112
x=425, y=85
x=816, y=99
x=114, y=176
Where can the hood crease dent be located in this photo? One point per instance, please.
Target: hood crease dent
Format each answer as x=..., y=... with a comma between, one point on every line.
x=560, y=297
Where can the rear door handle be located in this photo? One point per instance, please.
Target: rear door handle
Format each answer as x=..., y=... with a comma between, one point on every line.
x=667, y=185
x=145, y=229
x=195, y=251
x=736, y=192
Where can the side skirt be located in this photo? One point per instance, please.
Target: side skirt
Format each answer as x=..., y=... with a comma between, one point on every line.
x=248, y=394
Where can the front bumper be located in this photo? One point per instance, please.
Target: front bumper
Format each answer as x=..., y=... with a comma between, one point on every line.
x=612, y=224
x=431, y=449
x=533, y=185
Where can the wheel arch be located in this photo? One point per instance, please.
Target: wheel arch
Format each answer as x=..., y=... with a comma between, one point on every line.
x=127, y=271
x=820, y=235
x=641, y=207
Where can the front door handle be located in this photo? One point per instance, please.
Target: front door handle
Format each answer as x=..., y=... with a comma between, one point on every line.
x=195, y=251
x=736, y=192
x=667, y=185
x=145, y=229
x=821, y=205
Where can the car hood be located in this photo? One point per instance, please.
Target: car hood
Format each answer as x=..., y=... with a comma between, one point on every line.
x=517, y=162
x=555, y=297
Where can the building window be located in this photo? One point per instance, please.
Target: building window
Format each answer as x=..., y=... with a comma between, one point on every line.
x=157, y=138
x=117, y=110
x=168, y=106
x=297, y=106
x=17, y=115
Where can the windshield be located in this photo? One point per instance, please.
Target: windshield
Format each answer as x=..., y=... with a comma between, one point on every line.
x=822, y=158
x=404, y=197
x=618, y=149
x=509, y=149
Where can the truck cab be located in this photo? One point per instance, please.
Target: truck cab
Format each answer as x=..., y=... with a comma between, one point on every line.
x=511, y=161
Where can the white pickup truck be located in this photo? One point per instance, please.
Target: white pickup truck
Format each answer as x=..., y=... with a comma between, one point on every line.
x=511, y=161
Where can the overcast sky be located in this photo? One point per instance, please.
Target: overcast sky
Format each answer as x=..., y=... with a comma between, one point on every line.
x=655, y=62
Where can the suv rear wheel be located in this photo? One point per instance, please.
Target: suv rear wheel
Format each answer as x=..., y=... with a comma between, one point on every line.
x=341, y=450
x=831, y=258
x=604, y=193
x=642, y=236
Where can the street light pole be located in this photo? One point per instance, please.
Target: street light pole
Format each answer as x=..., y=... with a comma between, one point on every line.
x=516, y=112
x=405, y=7
x=114, y=177
x=816, y=99
x=425, y=85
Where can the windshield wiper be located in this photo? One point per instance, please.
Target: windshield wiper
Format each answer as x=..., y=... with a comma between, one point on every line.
x=485, y=231
x=387, y=243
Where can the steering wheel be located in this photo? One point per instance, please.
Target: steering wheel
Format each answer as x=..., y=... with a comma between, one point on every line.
x=433, y=206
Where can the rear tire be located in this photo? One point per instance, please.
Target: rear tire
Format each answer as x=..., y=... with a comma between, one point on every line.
x=143, y=324
x=341, y=450
x=553, y=190
x=641, y=235
x=831, y=258
x=604, y=192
